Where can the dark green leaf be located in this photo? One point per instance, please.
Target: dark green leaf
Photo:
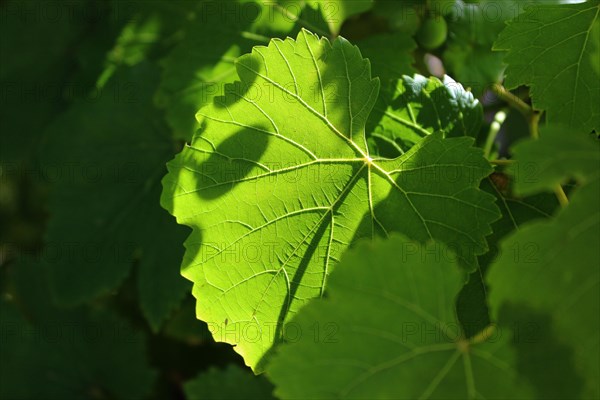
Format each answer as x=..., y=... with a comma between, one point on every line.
x=388, y=330
x=231, y=383
x=555, y=49
x=104, y=160
x=552, y=268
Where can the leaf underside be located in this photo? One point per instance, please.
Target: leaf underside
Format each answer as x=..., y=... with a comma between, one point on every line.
x=280, y=182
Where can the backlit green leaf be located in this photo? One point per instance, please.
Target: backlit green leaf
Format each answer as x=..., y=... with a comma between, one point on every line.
x=280, y=182
x=419, y=106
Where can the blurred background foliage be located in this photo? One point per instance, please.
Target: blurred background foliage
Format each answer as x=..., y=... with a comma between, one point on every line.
x=96, y=96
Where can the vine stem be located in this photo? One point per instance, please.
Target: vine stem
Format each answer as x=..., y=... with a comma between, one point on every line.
x=561, y=196
x=534, y=123
x=484, y=335
x=499, y=119
x=502, y=162
x=533, y=118
x=512, y=100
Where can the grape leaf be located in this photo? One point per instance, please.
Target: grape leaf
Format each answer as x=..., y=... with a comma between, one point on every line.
x=79, y=353
x=74, y=365
x=475, y=66
x=555, y=50
x=269, y=18
x=553, y=267
x=401, y=16
x=420, y=106
x=471, y=307
x=557, y=156
x=388, y=329
x=183, y=325
x=202, y=62
x=104, y=160
x=390, y=56
x=278, y=18
x=32, y=79
x=335, y=12
x=277, y=186
x=437, y=7
x=516, y=211
x=473, y=27
x=142, y=31
x=231, y=383
x=150, y=24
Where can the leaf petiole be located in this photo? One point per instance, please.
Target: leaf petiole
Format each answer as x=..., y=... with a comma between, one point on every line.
x=533, y=118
